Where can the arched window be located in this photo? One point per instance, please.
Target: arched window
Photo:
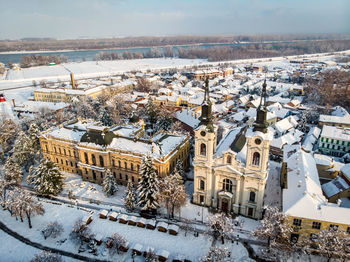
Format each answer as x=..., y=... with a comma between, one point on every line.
x=64, y=150
x=229, y=159
x=201, y=184
x=256, y=159
x=93, y=158
x=126, y=165
x=86, y=158
x=132, y=167
x=252, y=196
x=55, y=149
x=227, y=185
x=101, y=161
x=119, y=164
x=203, y=150
x=59, y=149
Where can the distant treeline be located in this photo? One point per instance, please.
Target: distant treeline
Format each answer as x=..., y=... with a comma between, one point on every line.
x=38, y=60
x=222, y=53
x=34, y=44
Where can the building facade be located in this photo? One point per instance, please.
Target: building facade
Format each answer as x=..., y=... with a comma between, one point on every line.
x=334, y=141
x=231, y=176
x=88, y=150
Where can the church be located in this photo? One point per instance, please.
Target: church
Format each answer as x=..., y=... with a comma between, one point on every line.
x=231, y=175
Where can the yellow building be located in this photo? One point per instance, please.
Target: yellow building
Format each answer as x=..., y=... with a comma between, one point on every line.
x=67, y=94
x=89, y=150
x=303, y=202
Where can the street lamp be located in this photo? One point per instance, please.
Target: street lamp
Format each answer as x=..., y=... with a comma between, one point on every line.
x=202, y=210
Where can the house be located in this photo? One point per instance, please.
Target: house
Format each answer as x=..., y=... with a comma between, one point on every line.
x=162, y=226
x=284, y=125
x=103, y=214
x=113, y=216
x=329, y=120
x=173, y=229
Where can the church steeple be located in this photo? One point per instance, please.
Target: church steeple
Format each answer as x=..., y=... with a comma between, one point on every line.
x=206, y=116
x=261, y=112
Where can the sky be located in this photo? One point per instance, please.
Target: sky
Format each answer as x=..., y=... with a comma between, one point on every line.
x=70, y=19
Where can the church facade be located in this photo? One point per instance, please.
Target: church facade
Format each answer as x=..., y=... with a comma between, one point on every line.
x=231, y=175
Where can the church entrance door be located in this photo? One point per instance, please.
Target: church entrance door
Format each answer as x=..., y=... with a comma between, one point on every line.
x=224, y=205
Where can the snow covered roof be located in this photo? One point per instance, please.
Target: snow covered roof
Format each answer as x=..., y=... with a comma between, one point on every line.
x=285, y=124
x=335, y=186
x=323, y=160
x=346, y=171
x=335, y=132
x=303, y=196
x=35, y=106
x=187, y=117
x=335, y=119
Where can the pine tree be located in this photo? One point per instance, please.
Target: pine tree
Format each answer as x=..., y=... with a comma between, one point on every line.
x=46, y=177
x=12, y=172
x=22, y=150
x=179, y=170
x=151, y=111
x=164, y=123
x=148, y=186
x=8, y=130
x=105, y=117
x=110, y=186
x=130, y=198
x=34, y=134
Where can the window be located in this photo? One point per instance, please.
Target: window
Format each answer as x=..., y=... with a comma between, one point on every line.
x=337, y=142
x=333, y=227
x=61, y=162
x=94, y=174
x=322, y=139
x=126, y=177
x=203, y=150
x=201, y=184
x=101, y=161
x=138, y=167
x=132, y=167
x=64, y=150
x=126, y=165
x=46, y=148
x=69, y=152
x=59, y=149
x=229, y=159
x=296, y=222
x=114, y=175
x=56, y=159
x=316, y=225
x=252, y=196
x=327, y=140
x=86, y=158
x=227, y=185
x=113, y=162
x=101, y=175
x=132, y=179
x=66, y=163
x=93, y=158
x=120, y=176
x=256, y=159
x=119, y=164
x=348, y=230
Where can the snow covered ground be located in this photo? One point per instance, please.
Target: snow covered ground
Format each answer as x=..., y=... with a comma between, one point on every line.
x=190, y=246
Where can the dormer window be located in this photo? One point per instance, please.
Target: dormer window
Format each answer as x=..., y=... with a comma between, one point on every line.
x=229, y=159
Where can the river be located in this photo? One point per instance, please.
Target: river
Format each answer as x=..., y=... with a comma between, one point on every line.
x=89, y=55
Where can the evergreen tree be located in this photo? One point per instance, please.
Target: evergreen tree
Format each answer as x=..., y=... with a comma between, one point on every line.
x=180, y=172
x=164, y=122
x=34, y=134
x=22, y=150
x=148, y=186
x=109, y=184
x=105, y=117
x=151, y=111
x=130, y=198
x=46, y=177
x=12, y=172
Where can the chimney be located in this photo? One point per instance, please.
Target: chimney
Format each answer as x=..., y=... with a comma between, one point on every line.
x=300, y=183
x=338, y=202
x=13, y=102
x=72, y=80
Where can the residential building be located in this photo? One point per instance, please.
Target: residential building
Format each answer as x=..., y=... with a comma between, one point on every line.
x=334, y=141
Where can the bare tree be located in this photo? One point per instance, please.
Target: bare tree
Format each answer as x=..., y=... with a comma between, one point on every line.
x=115, y=242
x=217, y=254
x=220, y=226
x=47, y=256
x=53, y=229
x=80, y=231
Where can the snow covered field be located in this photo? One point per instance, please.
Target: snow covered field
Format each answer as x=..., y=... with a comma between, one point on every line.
x=190, y=246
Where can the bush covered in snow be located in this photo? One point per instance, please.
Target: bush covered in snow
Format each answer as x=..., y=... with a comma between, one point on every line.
x=53, y=229
x=47, y=256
